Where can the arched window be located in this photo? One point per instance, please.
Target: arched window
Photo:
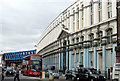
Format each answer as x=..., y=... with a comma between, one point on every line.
x=82, y=40
x=91, y=36
x=73, y=40
x=109, y=34
x=77, y=39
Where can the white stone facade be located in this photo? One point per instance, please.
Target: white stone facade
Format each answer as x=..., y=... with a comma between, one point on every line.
x=90, y=25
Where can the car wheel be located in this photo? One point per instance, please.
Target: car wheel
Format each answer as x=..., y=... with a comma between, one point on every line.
x=91, y=80
x=72, y=78
x=80, y=79
x=75, y=79
x=66, y=77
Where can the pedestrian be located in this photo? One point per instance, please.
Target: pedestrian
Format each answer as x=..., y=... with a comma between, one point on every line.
x=99, y=71
x=16, y=74
x=2, y=74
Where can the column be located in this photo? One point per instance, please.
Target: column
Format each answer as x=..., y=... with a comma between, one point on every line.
x=88, y=64
x=104, y=10
x=75, y=63
x=76, y=18
x=84, y=58
x=62, y=60
x=104, y=59
x=95, y=58
x=95, y=10
x=80, y=19
x=59, y=61
x=71, y=21
x=114, y=54
x=55, y=61
x=67, y=60
x=70, y=60
x=80, y=57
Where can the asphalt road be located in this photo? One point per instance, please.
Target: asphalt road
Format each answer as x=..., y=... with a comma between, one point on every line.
x=31, y=78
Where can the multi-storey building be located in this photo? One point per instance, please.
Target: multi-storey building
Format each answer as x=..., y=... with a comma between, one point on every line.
x=83, y=34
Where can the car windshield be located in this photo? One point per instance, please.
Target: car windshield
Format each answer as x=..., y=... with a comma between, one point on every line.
x=94, y=71
x=9, y=68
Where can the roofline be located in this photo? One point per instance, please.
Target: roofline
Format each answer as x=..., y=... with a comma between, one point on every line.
x=19, y=51
x=54, y=20
x=31, y=55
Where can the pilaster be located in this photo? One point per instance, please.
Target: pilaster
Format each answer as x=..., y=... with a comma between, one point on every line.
x=95, y=9
x=80, y=19
x=114, y=54
x=76, y=18
x=88, y=16
x=85, y=17
x=67, y=60
x=95, y=57
x=70, y=60
x=114, y=8
x=75, y=63
x=84, y=58
x=62, y=61
x=80, y=58
x=71, y=21
x=104, y=10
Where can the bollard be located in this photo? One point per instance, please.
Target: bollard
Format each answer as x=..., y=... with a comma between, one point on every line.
x=51, y=77
x=43, y=75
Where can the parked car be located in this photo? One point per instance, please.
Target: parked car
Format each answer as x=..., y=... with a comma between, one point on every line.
x=10, y=71
x=55, y=74
x=89, y=74
x=71, y=74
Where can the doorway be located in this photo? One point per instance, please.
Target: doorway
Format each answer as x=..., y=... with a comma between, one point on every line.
x=100, y=61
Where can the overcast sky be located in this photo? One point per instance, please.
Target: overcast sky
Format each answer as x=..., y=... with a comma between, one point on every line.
x=23, y=21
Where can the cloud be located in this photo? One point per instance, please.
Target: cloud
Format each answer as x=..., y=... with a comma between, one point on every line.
x=23, y=21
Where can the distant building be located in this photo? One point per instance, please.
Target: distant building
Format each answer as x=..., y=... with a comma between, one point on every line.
x=83, y=34
x=13, y=58
x=1, y=56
